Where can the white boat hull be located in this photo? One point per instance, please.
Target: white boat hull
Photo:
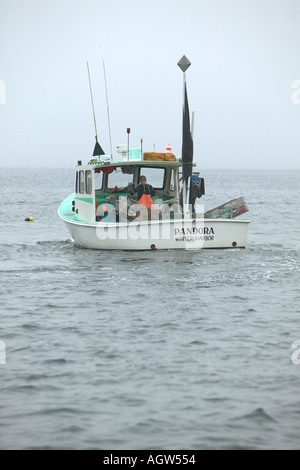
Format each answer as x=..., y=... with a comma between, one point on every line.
x=164, y=234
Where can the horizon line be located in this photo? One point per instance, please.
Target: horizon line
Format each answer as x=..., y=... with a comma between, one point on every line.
x=29, y=167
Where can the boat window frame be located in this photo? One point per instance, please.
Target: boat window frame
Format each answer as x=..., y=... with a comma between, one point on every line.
x=141, y=167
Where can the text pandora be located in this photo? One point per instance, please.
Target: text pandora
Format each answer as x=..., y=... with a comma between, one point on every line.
x=194, y=231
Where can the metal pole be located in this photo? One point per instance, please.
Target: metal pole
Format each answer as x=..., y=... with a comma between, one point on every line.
x=107, y=109
x=185, y=194
x=142, y=157
x=184, y=64
x=92, y=101
x=128, y=133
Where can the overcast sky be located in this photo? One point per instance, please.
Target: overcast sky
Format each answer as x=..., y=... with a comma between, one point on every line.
x=245, y=58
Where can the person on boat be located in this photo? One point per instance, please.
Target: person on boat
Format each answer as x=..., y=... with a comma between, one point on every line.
x=197, y=191
x=145, y=192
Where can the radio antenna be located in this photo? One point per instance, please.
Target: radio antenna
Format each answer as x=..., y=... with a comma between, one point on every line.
x=107, y=109
x=97, y=149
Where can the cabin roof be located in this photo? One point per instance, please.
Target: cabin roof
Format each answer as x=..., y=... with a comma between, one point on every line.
x=150, y=163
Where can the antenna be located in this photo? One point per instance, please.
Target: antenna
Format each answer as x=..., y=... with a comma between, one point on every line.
x=97, y=149
x=107, y=108
x=128, y=133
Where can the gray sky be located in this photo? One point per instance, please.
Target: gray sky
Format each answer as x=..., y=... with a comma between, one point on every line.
x=245, y=58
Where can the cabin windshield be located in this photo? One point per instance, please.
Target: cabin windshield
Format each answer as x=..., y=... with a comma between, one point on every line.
x=120, y=179
x=154, y=176
x=98, y=181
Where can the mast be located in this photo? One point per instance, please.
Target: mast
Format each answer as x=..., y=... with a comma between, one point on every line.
x=97, y=149
x=107, y=109
x=187, y=140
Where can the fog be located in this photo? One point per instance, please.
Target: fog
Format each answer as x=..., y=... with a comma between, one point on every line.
x=243, y=84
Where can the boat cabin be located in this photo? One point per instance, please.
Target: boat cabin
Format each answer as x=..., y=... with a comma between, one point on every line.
x=101, y=185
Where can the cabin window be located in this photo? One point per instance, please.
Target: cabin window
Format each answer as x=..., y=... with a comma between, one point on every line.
x=120, y=179
x=76, y=184
x=98, y=180
x=88, y=181
x=155, y=176
x=172, y=181
x=81, y=182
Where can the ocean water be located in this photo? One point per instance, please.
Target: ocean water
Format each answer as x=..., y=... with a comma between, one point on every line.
x=152, y=350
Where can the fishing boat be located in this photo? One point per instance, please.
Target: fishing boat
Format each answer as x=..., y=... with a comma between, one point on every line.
x=105, y=214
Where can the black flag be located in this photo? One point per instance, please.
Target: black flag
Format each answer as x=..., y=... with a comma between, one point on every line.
x=98, y=149
x=187, y=140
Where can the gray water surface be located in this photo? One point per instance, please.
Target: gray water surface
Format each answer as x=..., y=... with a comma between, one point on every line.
x=151, y=350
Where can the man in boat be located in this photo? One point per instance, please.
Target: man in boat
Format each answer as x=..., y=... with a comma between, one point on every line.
x=145, y=192
x=197, y=190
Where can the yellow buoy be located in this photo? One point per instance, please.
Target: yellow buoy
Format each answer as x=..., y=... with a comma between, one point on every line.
x=30, y=219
